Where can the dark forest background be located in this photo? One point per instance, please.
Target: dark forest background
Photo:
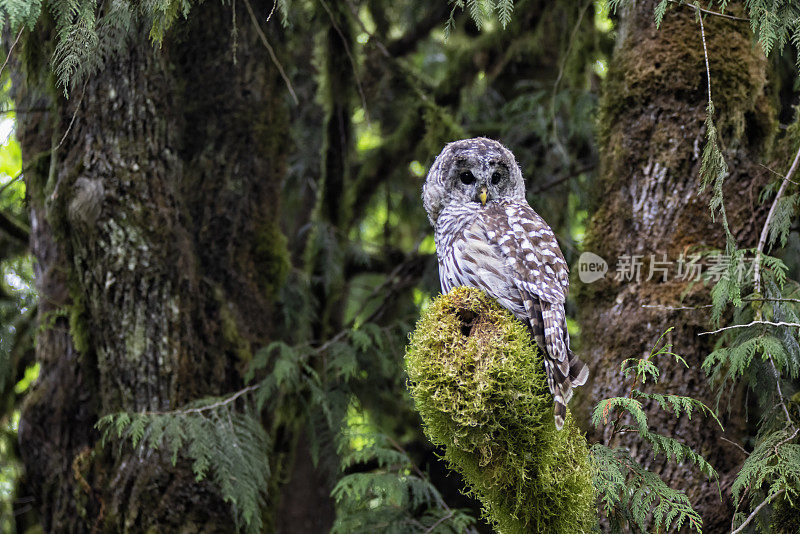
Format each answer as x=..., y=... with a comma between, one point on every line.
x=213, y=250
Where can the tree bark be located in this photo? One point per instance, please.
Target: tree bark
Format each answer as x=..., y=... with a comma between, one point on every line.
x=651, y=140
x=155, y=229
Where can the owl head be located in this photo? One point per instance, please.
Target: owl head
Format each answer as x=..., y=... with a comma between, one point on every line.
x=477, y=170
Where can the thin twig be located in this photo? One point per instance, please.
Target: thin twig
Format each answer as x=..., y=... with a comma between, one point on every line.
x=272, y=55
x=705, y=56
x=74, y=114
x=661, y=307
x=271, y=11
x=762, y=240
x=378, y=42
x=221, y=402
x=709, y=12
x=760, y=299
x=785, y=441
x=772, y=299
x=11, y=181
x=353, y=64
x=8, y=56
x=770, y=323
x=780, y=393
x=723, y=438
x=561, y=74
x=439, y=521
x=755, y=512
x=563, y=179
x=776, y=173
x=24, y=110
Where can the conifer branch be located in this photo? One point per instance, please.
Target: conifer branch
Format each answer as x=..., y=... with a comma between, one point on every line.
x=762, y=240
x=755, y=512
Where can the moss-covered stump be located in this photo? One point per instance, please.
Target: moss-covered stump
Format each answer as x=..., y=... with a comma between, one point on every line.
x=478, y=382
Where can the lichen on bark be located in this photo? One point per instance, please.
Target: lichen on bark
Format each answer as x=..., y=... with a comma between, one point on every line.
x=158, y=193
x=478, y=382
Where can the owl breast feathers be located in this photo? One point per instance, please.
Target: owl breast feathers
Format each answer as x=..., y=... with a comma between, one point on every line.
x=488, y=237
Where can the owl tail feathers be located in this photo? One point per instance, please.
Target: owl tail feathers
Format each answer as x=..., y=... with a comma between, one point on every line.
x=578, y=374
x=559, y=410
x=578, y=371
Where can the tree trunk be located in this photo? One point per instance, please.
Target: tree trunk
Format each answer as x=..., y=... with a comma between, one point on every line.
x=155, y=229
x=651, y=140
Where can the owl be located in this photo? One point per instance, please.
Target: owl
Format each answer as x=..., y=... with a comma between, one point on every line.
x=489, y=238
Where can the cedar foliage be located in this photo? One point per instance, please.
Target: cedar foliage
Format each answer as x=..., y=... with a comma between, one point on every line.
x=379, y=485
x=630, y=495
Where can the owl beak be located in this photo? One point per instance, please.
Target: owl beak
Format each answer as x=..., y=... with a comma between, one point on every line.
x=483, y=194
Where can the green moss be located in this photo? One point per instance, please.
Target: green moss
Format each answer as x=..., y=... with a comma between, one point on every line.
x=271, y=256
x=230, y=328
x=78, y=328
x=478, y=382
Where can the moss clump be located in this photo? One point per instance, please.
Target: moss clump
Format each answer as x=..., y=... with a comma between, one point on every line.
x=478, y=382
x=78, y=328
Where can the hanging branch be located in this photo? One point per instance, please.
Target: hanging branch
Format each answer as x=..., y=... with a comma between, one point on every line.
x=762, y=240
x=272, y=55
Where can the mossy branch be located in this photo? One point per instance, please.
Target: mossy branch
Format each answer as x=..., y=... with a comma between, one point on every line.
x=478, y=382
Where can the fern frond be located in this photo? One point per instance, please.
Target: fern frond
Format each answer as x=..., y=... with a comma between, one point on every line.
x=626, y=490
x=679, y=404
x=229, y=445
x=504, y=10
x=772, y=467
x=660, y=9
x=392, y=497
x=77, y=40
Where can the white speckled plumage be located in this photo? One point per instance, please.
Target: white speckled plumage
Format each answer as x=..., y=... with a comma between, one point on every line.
x=504, y=248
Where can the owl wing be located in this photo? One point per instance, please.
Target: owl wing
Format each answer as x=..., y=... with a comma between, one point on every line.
x=512, y=254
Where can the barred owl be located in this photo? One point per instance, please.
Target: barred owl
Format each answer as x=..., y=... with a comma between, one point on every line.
x=488, y=237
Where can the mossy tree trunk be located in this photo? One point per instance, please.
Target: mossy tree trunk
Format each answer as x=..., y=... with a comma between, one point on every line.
x=155, y=230
x=648, y=203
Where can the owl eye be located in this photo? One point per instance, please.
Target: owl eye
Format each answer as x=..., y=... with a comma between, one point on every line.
x=466, y=177
x=496, y=177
